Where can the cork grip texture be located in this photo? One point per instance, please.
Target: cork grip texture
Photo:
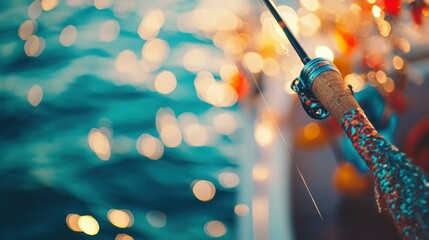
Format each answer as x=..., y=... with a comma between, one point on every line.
x=331, y=90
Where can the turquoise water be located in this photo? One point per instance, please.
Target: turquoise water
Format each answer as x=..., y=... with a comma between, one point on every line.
x=47, y=167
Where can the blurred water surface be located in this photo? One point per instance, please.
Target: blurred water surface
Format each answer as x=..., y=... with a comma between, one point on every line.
x=47, y=167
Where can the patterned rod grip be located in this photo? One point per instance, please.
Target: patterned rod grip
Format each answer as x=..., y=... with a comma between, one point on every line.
x=403, y=185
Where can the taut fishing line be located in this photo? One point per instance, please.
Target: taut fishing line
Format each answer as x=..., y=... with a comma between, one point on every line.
x=270, y=111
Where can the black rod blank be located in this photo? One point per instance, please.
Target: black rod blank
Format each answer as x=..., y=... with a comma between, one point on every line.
x=295, y=44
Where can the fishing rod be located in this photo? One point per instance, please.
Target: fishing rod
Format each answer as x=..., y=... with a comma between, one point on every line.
x=312, y=69
x=323, y=92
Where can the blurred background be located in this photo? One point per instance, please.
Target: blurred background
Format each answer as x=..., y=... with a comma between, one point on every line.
x=128, y=119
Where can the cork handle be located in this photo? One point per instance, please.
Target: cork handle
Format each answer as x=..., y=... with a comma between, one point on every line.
x=331, y=90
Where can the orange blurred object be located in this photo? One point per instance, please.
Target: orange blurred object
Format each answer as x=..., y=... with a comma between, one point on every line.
x=312, y=135
x=345, y=40
x=348, y=181
x=240, y=85
x=344, y=64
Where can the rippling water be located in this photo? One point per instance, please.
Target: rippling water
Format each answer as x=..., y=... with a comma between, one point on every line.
x=47, y=167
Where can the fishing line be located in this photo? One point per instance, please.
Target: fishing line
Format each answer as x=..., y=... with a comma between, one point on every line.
x=282, y=136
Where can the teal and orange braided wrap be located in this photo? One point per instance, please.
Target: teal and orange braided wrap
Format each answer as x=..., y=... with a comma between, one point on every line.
x=403, y=185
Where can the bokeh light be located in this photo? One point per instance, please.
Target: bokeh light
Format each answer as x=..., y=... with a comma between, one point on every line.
x=156, y=218
x=355, y=81
x=253, y=62
x=34, y=46
x=203, y=190
x=225, y=123
x=241, y=209
x=228, y=179
x=196, y=135
x=195, y=53
x=35, y=9
x=120, y=218
x=260, y=172
x=109, y=30
x=165, y=82
x=324, y=52
x=99, y=143
x=151, y=24
x=312, y=5
x=126, y=61
x=49, y=5
x=88, y=224
x=398, y=62
x=26, y=29
x=312, y=130
x=72, y=221
x=102, y=4
x=150, y=146
x=35, y=95
x=122, y=236
x=215, y=229
x=264, y=134
x=68, y=35
x=155, y=50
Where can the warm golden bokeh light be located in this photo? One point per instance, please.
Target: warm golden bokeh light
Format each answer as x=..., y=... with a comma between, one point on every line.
x=398, y=62
x=389, y=85
x=203, y=190
x=384, y=28
x=120, y=218
x=68, y=35
x=34, y=46
x=225, y=123
x=122, y=236
x=35, y=95
x=264, y=134
x=196, y=135
x=260, y=172
x=155, y=50
x=260, y=210
x=228, y=179
x=150, y=147
x=381, y=76
x=156, y=219
x=165, y=82
x=126, y=61
x=102, y=4
x=48, y=5
x=228, y=72
x=324, y=52
x=241, y=209
x=376, y=11
x=309, y=24
x=253, y=62
x=312, y=130
x=151, y=24
x=26, y=29
x=220, y=94
x=109, y=30
x=171, y=135
x=88, y=224
x=35, y=9
x=404, y=45
x=215, y=229
x=271, y=67
x=312, y=5
x=99, y=143
x=189, y=61
x=72, y=221
x=355, y=81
